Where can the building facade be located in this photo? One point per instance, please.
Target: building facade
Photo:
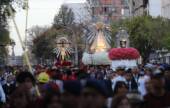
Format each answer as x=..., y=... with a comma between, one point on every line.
x=165, y=8
x=80, y=11
x=139, y=7
x=108, y=10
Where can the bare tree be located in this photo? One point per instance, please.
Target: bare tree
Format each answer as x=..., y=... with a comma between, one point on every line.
x=35, y=31
x=64, y=17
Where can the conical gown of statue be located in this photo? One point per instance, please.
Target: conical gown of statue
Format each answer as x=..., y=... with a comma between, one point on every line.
x=99, y=50
x=100, y=44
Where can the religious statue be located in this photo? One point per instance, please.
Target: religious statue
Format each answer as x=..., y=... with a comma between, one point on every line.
x=99, y=39
x=122, y=39
x=63, y=48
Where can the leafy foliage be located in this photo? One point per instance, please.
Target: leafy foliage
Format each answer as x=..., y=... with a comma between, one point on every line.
x=4, y=40
x=147, y=34
x=42, y=44
x=65, y=16
x=63, y=25
x=4, y=12
x=4, y=33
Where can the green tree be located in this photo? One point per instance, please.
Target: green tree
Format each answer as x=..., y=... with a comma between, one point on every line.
x=43, y=45
x=63, y=25
x=166, y=38
x=4, y=32
x=147, y=34
x=4, y=40
x=4, y=12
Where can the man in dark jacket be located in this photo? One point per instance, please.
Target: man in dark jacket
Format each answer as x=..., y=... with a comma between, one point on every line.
x=158, y=96
x=10, y=86
x=135, y=78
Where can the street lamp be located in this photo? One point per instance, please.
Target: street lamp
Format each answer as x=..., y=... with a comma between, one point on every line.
x=13, y=45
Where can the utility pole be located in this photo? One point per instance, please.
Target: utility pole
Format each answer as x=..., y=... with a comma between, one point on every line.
x=26, y=22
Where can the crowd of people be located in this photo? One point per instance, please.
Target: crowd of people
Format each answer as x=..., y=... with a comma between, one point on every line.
x=91, y=87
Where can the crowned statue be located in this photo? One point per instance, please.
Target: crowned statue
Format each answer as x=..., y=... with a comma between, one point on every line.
x=99, y=40
x=123, y=55
x=100, y=44
x=122, y=38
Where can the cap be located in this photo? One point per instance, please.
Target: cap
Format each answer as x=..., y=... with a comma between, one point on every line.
x=43, y=77
x=158, y=73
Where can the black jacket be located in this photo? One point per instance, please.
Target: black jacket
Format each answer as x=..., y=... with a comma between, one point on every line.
x=134, y=82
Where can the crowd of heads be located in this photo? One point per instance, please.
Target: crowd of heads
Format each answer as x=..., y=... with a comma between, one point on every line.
x=90, y=87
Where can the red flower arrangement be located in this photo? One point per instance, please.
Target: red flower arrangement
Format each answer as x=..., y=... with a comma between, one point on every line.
x=123, y=53
x=63, y=63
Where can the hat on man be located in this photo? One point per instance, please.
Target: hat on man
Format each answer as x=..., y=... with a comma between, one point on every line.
x=43, y=77
x=157, y=73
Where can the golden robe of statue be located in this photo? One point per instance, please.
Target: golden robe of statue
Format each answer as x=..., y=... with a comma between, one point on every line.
x=100, y=44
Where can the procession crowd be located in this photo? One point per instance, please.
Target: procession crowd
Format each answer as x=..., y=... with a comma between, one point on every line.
x=145, y=86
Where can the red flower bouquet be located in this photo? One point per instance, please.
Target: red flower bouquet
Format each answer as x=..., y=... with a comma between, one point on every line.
x=123, y=54
x=63, y=63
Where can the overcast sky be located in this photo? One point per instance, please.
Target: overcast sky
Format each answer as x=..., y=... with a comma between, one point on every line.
x=42, y=12
x=155, y=7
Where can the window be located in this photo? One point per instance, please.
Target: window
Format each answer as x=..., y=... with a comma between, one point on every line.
x=123, y=2
x=106, y=10
x=93, y=11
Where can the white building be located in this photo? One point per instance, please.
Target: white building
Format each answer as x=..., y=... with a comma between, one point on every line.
x=165, y=8
x=139, y=7
x=108, y=10
x=80, y=11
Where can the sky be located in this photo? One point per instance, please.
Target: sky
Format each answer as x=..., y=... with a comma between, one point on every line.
x=42, y=12
x=155, y=7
